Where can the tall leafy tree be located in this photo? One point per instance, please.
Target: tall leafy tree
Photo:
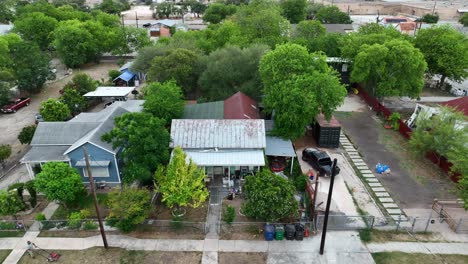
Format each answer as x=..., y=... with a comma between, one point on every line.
x=5, y=93
x=54, y=110
x=74, y=101
x=294, y=10
x=446, y=52
x=10, y=203
x=60, y=182
x=269, y=197
x=164, y=100
x=26, y=134
x=36, y=27
x=144, y=142
x=181, y=184
x=6, y=11
x=310, y=29
x=82, y=83
x=298, y=86
x=232, y=69
x=128, y=207
x=113, y=6
x=180, y=65
x=131, y=39
x=197, y=8
x=332, y=15
x=464, y=20
x=30, y=65
x=217, y=12
x=165, y=9
x=395, y=68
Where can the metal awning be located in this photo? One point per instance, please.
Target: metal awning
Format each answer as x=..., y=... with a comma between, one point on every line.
x=93, y=163
x=45, y=154
x=227, y=157
x=279, y=147
x=110, y=91
x=126, y=76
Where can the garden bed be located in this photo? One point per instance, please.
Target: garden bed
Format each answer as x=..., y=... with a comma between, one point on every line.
x=86, y=203
x=29, y=215
x=242, y=227
x=161, y=212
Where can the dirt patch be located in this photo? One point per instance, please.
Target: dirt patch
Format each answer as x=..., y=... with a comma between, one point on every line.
x=162, y=212
x=29, y=216
x=386, y=236
x=400, y=257
x=243, y=227
x=248, y=257
x=118, y=255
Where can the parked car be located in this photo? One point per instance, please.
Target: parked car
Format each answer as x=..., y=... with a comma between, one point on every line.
x=277, y=164
x=15, y=105
x=147, y=25
x=319, y=160
x=38, y=118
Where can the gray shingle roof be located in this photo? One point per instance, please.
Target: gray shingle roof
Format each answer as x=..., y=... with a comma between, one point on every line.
x=45, y=153
x=61, y=133
x=218, y=133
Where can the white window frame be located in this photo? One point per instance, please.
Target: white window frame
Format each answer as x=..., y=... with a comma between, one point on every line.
x=85, y=172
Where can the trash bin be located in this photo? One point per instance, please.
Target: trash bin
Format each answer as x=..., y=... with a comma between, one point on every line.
x=299, y=232
x=269, y=232
x=290, y=231
x=279, y=232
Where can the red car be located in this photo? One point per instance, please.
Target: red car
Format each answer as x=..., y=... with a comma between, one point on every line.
x=15, y=105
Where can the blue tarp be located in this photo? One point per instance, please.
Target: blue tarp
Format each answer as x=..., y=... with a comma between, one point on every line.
x=126, y=76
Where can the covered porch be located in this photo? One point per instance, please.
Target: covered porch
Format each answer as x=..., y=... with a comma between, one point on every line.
x=227, y=167
x=39, y=155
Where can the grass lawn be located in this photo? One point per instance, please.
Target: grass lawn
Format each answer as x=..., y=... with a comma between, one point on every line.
x=86, y=202
x=118, y=255
x=11, y=233
x=4, y=254
x=386, y=236
x=400, y=257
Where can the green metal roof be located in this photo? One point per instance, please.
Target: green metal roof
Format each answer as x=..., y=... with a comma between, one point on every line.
x=211, y=110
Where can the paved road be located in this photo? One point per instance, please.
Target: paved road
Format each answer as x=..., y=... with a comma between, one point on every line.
x=362, y=129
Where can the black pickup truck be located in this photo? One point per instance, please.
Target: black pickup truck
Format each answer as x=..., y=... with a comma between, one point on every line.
x=319, y=160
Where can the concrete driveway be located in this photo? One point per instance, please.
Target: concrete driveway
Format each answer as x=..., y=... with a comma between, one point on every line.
x=363, y=130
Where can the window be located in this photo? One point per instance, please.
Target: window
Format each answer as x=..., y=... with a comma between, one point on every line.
x=97, y=172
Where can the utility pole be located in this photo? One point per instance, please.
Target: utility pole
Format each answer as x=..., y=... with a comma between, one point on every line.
x=136, y=18
x=433, y=9
x=327, y=210
x=93, y=192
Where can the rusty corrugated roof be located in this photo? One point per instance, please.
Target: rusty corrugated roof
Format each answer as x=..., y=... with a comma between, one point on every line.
x=460, y=104
x=240, y=106
x=218, y=133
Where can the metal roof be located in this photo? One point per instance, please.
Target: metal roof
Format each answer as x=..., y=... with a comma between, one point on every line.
x=126, y=66
x=218, y=133
x=110, y=91
x=211, y=110
x=61, y=133
x=240, y=106
x=279, y=147
x=45, y=154
x=460, y=104
x=126, y=76
x=226, y=157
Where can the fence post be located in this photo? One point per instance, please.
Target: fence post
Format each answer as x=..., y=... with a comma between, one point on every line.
x=458, y=225
x=412, y=225
x=427, y=224
x=398, y=223
x=372, y=222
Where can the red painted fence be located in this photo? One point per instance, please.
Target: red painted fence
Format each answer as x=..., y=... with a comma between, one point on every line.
x=405, y=131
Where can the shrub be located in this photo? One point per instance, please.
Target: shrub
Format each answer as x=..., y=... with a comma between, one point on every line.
x=19, y=186
x=46, y=224
x=40, y=217
x=113, y=74
x=126, y=225
x=89, y=225
x=74, y=220
x=26, y=134
x=7, y=226
x=32, y=192
x=229, y=214
x=176, y=222
x=112, y=221
x=301, y=183
x=365, y=235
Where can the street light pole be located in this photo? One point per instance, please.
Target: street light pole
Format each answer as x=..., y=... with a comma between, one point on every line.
x=93, y=192
x=327, y=210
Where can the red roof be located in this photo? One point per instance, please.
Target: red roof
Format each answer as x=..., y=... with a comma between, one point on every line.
x=324, y=123
x=460, y=104
x=407, y=26
x=240, y=106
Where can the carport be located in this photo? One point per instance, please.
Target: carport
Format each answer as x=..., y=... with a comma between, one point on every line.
x=110, y=91
x=278, y=147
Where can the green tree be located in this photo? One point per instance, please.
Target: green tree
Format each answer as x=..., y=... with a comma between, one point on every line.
x=332, y=15
x=5, y=152
x=197, y=7
x=60, y=182
x=75, y=102
x=180, y=65
x=310, y=29
x=312, y=9
x=165, y=9
x=395, y=68
x=464, y=20
x=10, y=203
x=82, y=83
x=113, y=6
x=54, y=110
x=269, y=197
x=181, y=184
x=294, y=10
x=217, y=12
x=26, y=134
x=131, y=39
x=36, y=27
x=298, y=86
x=31, y=67
x=5, y=93
x=164, y=100
x=77, y=4
x=232, y=69
x=6, y=11
x=129, y=207
x=445, y=51
x=144, y=142
x=261, y=22
x=429, y=18
x=144, y=58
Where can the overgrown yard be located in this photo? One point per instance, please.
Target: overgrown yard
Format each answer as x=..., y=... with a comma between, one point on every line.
x=4, y=254
x=85, y=203
x=235, y=258
x=243, y=227
x=118, y=255
x=379, y=236
x=400, y=257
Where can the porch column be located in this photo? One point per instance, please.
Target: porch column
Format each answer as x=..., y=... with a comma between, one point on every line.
x=229, y=176
x=30, y=171
x=292, y=165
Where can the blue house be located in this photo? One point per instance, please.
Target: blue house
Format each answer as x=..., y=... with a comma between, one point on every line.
x=64, y=142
